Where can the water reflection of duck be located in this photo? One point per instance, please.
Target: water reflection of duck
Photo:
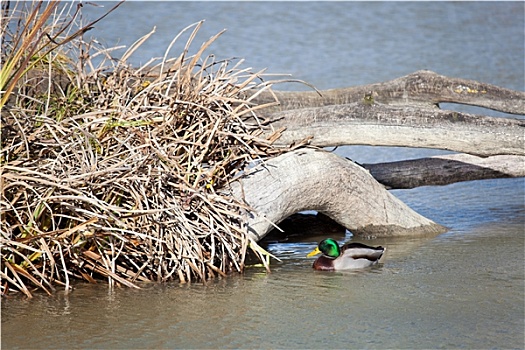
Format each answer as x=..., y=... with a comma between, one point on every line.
x=349, y=256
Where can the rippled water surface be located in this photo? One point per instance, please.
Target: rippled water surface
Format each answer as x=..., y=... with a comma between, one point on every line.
x=461, y=289
x=458, y=290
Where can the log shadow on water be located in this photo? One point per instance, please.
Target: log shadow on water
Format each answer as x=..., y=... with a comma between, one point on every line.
x=309, y=228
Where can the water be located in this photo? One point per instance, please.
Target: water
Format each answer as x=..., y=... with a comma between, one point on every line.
x=336, y=44
x=461, y=289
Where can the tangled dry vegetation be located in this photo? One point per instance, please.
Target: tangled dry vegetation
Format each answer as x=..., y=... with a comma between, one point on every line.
x=113, y=172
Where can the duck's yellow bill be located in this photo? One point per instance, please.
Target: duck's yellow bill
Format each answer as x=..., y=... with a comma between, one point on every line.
x=314, y=252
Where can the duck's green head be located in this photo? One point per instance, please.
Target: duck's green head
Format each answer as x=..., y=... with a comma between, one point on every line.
x=328, y=247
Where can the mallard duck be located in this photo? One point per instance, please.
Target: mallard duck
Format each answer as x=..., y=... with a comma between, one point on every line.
x=349, y=256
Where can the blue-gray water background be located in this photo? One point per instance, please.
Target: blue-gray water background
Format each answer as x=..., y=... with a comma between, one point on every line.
x=462, y=289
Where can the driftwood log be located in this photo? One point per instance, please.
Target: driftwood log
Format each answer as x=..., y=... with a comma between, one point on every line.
x=402, y=112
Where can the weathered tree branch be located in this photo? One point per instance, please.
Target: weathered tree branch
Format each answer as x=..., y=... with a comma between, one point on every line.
x=424, y=88
x=382, y=125
x=447, y=169
x=308, y=179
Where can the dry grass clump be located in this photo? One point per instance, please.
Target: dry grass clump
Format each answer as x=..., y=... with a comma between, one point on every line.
x=121, y=173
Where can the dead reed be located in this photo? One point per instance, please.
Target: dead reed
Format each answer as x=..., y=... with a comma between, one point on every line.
x=120, y=173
